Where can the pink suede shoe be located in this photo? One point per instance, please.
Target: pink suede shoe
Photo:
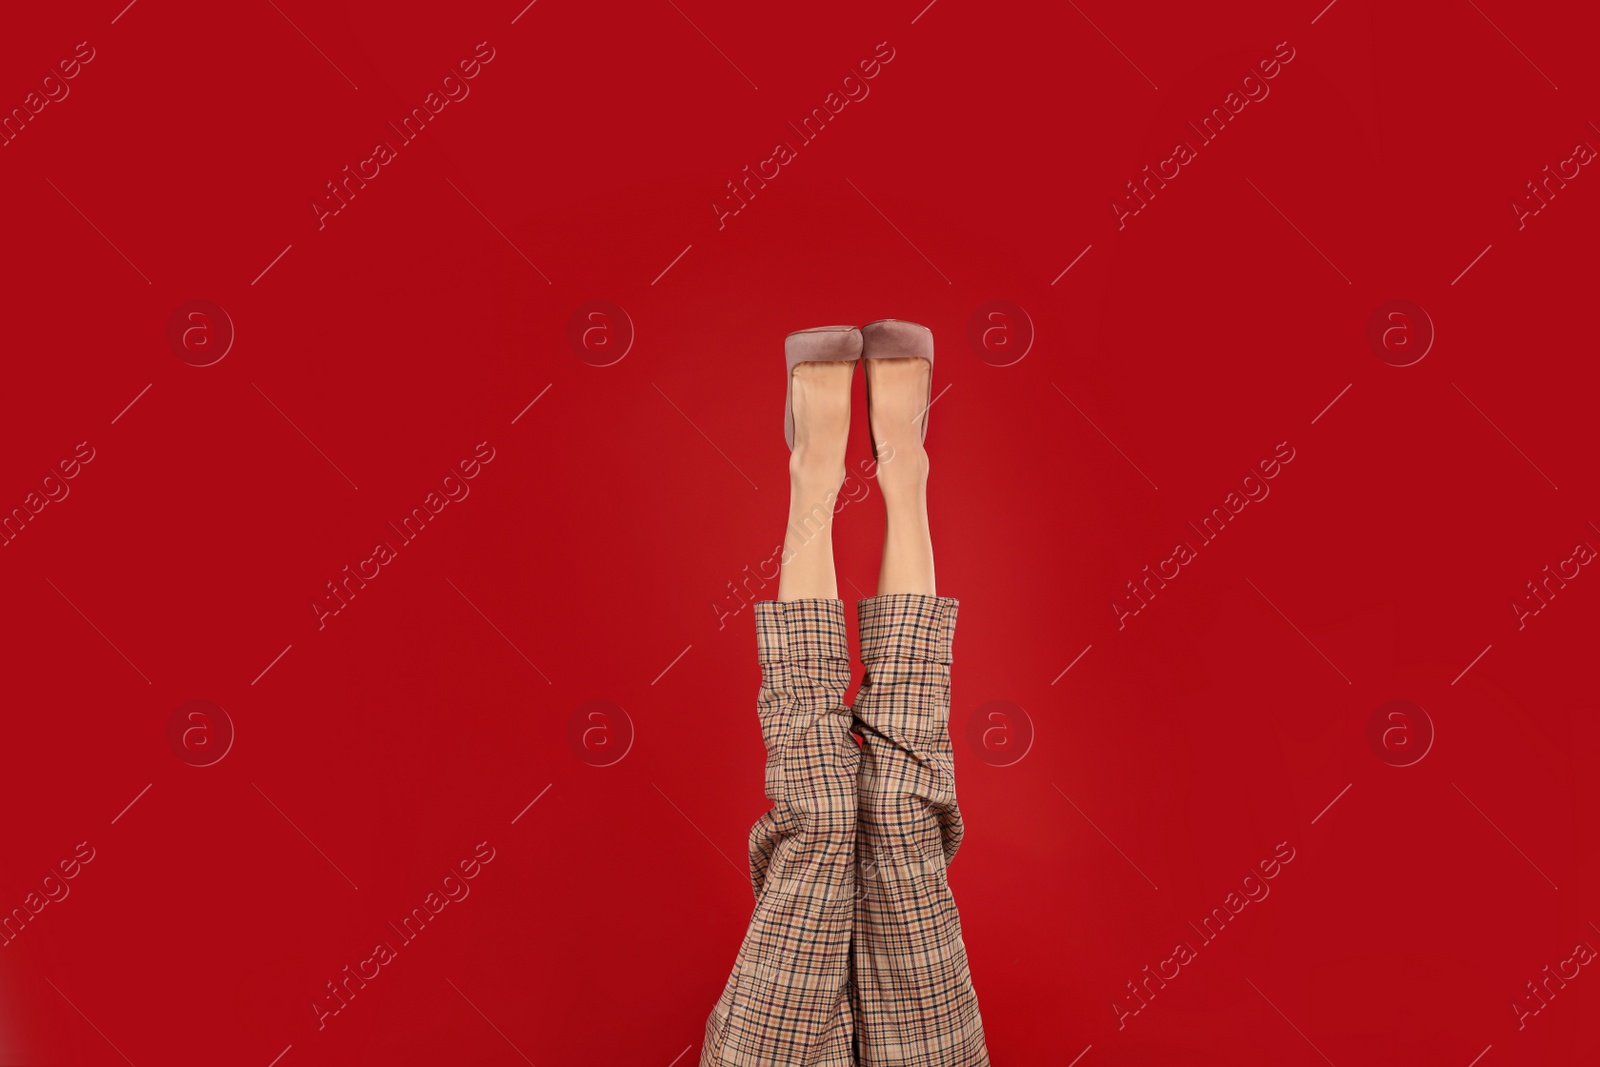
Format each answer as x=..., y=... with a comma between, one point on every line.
x=898, y=339
x=820, y=344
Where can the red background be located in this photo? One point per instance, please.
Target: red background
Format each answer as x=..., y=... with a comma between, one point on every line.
x=374, y=353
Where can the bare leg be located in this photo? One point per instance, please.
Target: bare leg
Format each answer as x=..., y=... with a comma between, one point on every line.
x=821, y=399
x=899, y=397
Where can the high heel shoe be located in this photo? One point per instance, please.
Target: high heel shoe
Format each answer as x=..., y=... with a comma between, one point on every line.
x=820, y=344
x=897, y=339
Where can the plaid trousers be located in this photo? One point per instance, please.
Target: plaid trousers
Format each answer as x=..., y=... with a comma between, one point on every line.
x=853, y=955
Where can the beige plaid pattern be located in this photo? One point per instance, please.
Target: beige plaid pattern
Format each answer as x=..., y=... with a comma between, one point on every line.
x=913, y=1001
x=854, y=953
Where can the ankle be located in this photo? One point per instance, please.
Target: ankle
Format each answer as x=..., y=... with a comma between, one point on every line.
x=816, y=470
x=903, y=469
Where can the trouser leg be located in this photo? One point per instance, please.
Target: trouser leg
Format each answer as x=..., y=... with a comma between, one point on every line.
x=786, y=1002
x=913, y=1000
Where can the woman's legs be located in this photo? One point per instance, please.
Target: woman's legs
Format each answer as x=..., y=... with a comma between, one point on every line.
x=821, y=400
x=899, y=397
x=786, y=1003
x=912, y=997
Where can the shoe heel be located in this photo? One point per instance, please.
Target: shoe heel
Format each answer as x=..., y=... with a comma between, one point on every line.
x=819, y=344
x=898, y=339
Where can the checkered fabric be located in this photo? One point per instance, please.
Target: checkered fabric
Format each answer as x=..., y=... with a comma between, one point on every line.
x=854, y=954
x=786, y=1004
x=912, y=999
